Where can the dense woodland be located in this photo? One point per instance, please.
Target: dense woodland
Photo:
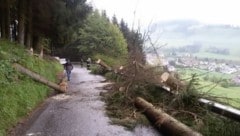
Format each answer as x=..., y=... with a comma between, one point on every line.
x=71, y=25
x=33, y=20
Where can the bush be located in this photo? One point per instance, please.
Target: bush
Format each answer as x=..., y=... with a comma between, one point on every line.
x=206, y=78
x=225, y=84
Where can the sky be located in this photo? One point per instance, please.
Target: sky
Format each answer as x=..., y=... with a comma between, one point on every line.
x=145, y=12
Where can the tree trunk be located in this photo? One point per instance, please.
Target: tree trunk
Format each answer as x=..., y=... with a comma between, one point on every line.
x=37, y=77
x=2, y=13
x=101, y=63
x=21, y=21
x=29, y=25
x=163, y=121
x=3, y=35
x=35, y=41
x=41, y=53
x=7, y=19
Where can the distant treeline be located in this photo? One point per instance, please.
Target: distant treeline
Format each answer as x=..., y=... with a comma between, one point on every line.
x=194, y=48
x=216, y=50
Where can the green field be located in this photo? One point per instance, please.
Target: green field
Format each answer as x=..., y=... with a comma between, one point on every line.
x=230, y=95
x=187, y=72
x=217, y=56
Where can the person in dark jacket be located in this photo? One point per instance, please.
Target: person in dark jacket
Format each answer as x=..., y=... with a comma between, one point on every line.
x=68, y=67
x=89, y=61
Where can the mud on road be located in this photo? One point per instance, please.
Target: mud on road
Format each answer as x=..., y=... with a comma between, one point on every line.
x=79, y=112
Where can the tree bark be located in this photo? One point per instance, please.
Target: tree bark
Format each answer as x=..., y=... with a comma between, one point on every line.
x=3, y=35
x=35, y=41
x=2, y=13
x=165, y=123
x=21, y=21
x=7, y=19
x=29, y=25
x=101, y=63
x=37, y=77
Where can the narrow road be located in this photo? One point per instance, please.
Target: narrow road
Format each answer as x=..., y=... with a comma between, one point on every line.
x=80, y=112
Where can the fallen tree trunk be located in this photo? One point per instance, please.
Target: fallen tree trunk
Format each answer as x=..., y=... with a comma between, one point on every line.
x=37, y=77
x=165, y=123
x=101, y=63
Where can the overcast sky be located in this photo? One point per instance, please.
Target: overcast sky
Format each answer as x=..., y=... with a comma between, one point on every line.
x=146, y=11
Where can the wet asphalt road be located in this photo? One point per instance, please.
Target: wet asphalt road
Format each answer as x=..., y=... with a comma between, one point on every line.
x=80, y=112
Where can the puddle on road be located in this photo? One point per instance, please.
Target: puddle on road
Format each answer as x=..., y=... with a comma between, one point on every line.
x=87, y=99
x=34, y=134
x=79, y=83
x=61, y=97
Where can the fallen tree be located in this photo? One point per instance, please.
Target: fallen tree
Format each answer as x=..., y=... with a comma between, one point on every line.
x=38, y=77
x=165, y=123
x=101, y=63
x=165, y=80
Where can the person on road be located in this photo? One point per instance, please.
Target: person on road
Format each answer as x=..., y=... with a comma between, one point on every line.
x=88, y=63
x=68, y=67
x=81, y=62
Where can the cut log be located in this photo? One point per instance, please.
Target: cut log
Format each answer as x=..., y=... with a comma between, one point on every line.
x=164, y=122
x=101, y=63
x=37, y=77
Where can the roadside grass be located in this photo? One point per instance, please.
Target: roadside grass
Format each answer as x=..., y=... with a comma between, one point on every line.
x=229, y=95
x=19, y=94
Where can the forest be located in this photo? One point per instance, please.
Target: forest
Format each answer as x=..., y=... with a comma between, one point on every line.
x=63, y=27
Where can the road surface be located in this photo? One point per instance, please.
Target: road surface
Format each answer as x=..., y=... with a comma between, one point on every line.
x=79, y=112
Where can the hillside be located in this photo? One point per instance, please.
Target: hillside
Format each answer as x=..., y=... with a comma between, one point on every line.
x=20, y=94
x=188, y=32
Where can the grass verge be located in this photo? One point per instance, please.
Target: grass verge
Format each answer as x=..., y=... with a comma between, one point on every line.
x=19, y=94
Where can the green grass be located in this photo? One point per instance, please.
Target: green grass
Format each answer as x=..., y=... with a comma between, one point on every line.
x=186, y=73
x=19, y=94
x=229, y=95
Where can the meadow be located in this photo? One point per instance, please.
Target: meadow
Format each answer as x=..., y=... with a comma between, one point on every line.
x=229, y=95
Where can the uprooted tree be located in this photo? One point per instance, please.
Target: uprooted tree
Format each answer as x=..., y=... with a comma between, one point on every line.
x=138, y=78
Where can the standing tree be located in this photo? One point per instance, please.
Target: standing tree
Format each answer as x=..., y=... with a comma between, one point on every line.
x=29, y=24
x=21, y=20
x=98, y=36
x=5, y=18
x=2, y=18
x=54, y=20
x=135, y=42
x=114, y=20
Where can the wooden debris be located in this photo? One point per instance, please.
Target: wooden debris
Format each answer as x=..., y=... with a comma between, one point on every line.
x=164, y=122
x=101, y=63
x=37, y=77
x=164, y=77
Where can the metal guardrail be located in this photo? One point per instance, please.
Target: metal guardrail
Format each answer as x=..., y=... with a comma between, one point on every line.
x=224, y=110
x=221, y=109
